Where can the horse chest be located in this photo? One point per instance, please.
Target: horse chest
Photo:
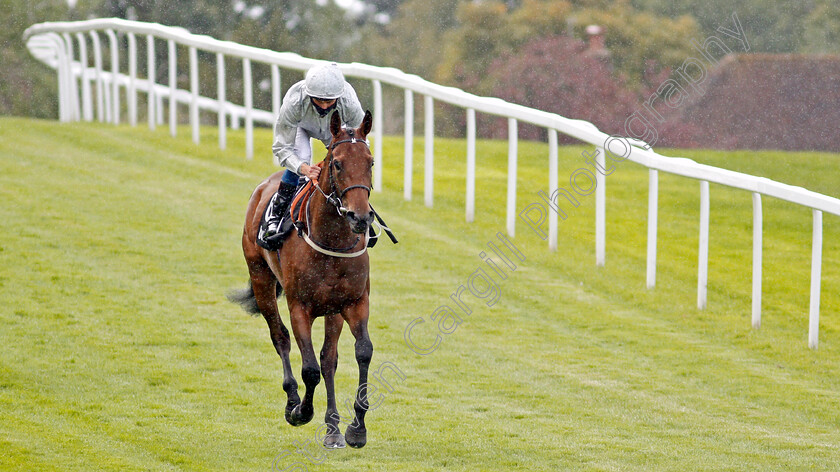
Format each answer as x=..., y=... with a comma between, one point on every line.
x=330, y=285
x=350, y=283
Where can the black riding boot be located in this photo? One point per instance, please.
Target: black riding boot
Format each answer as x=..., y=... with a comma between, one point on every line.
x=281, y=201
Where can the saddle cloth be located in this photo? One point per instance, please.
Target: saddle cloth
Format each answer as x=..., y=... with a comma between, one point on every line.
x=295, y=213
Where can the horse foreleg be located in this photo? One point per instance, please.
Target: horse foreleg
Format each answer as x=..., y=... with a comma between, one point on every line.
x=329, y=363
x=357, y=318
x=265, y=291
x=310, y=371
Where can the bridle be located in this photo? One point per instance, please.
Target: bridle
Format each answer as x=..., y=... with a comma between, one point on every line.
x=334, y=198
x=336, y=194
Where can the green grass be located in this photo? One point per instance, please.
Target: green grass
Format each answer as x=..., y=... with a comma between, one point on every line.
x=120, y=352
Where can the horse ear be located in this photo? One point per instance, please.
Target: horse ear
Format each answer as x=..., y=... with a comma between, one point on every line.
x=335, y=124
x=367, y=122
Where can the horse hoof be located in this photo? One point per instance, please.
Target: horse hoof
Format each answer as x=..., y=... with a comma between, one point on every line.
x=298, y=418
x=334, y=441
x=356, y=437
x=288, y=414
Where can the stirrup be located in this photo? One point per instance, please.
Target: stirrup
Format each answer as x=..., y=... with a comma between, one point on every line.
x=273, y=217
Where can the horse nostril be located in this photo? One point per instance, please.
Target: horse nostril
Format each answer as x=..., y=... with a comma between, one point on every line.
x=351, y=215
x=369, y=218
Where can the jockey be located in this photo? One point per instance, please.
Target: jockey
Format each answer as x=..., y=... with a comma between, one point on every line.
x=305, y=113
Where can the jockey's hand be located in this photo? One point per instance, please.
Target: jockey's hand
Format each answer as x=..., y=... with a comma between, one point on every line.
x=310, y=171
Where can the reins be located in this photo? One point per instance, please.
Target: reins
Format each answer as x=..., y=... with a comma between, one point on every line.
x=335, y=200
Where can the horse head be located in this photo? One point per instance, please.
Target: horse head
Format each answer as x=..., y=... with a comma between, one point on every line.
x=348, y=172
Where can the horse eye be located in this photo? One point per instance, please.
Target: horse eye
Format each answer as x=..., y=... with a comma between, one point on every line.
x=337, y=165
x=372, y=162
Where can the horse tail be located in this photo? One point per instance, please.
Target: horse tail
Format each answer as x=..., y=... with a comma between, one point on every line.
x=246, y=298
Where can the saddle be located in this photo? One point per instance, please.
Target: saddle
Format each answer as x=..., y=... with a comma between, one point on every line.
x=293, y=217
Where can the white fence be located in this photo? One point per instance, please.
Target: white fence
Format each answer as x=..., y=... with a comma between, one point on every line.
x=64, y=46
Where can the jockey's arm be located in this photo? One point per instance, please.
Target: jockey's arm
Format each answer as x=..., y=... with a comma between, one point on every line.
x=284, y=144
x=284, y=151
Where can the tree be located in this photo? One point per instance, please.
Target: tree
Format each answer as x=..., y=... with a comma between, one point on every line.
x=822, y=29
x=469, y=48
x=198, y=16
x=562, y=75
x=488, y=30
x=639, y=40
x=27, y=87
x=389, y=7
x=307, y=28
x=771, y=25
x=411, y=40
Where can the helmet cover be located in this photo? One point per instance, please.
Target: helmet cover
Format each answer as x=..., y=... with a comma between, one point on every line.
x=324, y=81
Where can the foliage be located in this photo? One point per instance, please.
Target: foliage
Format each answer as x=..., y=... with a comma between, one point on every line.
x=307, y=28
x=771, y=25
x=560, y=75
x=388, y=7
x=469, y=48
x=822, y=28
x=638, y=40
x=27, y=87
x=411, y=40
x=318, y=30
x=313, y=29
x=208, y=17
x=488, y=30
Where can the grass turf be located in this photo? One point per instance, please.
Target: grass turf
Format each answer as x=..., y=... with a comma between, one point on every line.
x=120, y=352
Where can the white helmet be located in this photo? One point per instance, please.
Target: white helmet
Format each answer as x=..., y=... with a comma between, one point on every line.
x=324, y=81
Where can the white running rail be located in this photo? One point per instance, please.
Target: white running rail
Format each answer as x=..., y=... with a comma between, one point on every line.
x=57, y=44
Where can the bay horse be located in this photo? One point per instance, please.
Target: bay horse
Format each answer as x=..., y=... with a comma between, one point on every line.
x=329, y=279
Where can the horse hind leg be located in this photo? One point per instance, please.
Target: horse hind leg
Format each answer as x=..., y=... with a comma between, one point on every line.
x=266, y=290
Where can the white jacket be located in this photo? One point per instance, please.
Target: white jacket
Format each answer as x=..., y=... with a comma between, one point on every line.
x=298, y=111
